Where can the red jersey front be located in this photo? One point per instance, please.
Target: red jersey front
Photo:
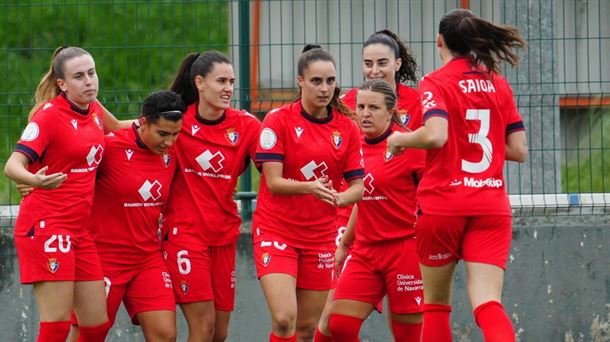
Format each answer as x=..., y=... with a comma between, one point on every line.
x=464, y=177
x=211, y=156
x=68, y=140
x=309, y=148
x=408, y=105
x=388, y=208
x=132, y=186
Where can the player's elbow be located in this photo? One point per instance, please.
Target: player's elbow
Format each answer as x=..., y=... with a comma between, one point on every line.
x=436, y=139
x=518, y=154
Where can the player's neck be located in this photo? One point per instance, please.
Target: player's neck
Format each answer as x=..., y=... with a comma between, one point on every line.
x=208, y=113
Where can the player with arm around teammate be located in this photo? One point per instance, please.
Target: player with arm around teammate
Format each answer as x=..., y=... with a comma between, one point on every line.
x=132, y=187
x=383, y=258
x=201, y=223
x=305, y=147
x=57, y=157
x=471, y=127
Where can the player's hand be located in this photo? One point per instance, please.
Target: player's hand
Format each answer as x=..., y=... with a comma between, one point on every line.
x=24, y=189
x=52, y=181
x=393, y=144
x=340, y=255
x=320, y=189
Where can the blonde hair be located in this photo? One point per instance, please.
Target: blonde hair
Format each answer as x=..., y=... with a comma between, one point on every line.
x=48, y=89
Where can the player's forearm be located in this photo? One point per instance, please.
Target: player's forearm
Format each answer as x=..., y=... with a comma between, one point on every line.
x=352, y=194
x=16, y=170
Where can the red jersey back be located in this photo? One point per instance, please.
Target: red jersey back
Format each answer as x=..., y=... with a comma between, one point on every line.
x=211, y=156
x=69, y=140
x=408, y=105
x=132, y=186
x=464, y=177
x=388, y=208
x=308, y=148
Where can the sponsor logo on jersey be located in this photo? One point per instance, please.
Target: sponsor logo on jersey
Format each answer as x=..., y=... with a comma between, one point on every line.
x=404, y=117
x=313, y=170
x=150, y=190
x=208, y=160
x=368, y=183
x=53, y=265
x=74, y=123
x=185, y=287
x=268, y=138
x=30, y=132
x=97, y=120
x=231, y=135
x=194, y=129
x=266, y=259
x=481, y=183
x=439, y=256
x=94, y=157
x=298, y=131
x=166, y=160
x=128, y=153
x=336, y=139
x=455, y=182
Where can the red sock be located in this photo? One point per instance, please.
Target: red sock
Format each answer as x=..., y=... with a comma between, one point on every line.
x=274, y=338
x=344, y=328
x=494, y=322
x=93, y=334
x=53, y=331
x=404, y=332
x=320, y=337
x=436, y=323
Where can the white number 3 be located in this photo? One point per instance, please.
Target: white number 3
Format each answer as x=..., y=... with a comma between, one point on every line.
x=481, y=139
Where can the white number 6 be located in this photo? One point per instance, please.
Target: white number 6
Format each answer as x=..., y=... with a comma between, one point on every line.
x=184, y=264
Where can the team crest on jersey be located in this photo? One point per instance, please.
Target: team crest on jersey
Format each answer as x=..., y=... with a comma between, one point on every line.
x=185, y=287
x=266, y=259
x=231, y=135
x=166, y=160
x=53, y=265
x=97, y=120
x=404, y=117
x=336, y=139
x=388, y=155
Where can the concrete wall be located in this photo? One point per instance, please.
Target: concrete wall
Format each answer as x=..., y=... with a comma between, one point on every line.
x=557, y=289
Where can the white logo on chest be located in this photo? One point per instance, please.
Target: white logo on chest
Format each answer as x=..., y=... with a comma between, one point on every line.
x=129, y=153
x=150, y=190
x=74, y=123
x=195, y=129
x=298, y=131
x=207, y=160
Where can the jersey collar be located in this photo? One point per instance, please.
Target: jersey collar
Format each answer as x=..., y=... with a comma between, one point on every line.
x=209, y=122
x=315, y=120
x=74, y=107
x=380, y=138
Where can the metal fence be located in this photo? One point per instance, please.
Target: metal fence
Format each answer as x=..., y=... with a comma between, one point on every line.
x=562, y=86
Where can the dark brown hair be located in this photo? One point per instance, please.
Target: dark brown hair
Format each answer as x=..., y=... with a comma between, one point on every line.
x=389, y=96
x=408, y=67
x=487, y=43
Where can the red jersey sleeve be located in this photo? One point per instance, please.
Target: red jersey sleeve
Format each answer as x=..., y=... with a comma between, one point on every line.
x=270, y=146
x=354, y=165
x=37, y=134
x=432, y=100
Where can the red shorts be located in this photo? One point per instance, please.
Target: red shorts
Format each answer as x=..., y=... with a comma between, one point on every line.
x=375, y=270
x=313, y=268
x=57, y=257
x=201, y=273
x=482, y=239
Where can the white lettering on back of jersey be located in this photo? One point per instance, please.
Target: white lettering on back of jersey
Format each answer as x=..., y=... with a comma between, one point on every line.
x=479, y=183
x=476, y=86
x=299, y=131
x=195, y=129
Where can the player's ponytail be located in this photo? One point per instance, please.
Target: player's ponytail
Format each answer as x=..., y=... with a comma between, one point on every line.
x=485, y=42
x=195, y=64
x=408, y=65
x=48, y=89
x=313, y=53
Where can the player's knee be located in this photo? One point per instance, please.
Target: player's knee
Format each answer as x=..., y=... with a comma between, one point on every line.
x=284, y=324
x=165, y=334
x=306, y=331
x=220, y=335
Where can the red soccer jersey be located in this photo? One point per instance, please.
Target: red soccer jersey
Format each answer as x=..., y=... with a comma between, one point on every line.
x=211, y=156
x=388, y=208
x=132, y=186
x=464, y=177
x=69, y=140
x=408, y=105
x=309, y=148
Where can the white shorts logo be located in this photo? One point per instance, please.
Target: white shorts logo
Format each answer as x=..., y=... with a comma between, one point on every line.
x=30, y=132
x=268, y=138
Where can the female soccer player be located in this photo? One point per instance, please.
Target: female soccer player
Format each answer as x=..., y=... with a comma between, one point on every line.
x=201, y=222
x=384, y=56
x=471, y=127
x=58, y=156
x=305, y=147
x=383, y=258
x=132, y=185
